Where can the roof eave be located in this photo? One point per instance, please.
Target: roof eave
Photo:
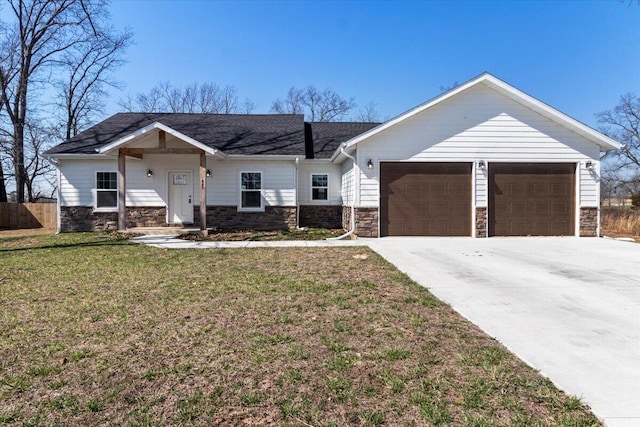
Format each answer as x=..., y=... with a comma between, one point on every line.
x=76, y=156
x=264, y=156
x=551, y=113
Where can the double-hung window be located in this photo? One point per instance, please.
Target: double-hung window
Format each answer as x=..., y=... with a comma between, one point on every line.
x=106, y=190
x=319, y=186
x=250, y=190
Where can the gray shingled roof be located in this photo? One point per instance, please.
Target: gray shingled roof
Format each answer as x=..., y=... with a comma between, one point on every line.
x=327, y=136
x=230, y=133
x=277, y=134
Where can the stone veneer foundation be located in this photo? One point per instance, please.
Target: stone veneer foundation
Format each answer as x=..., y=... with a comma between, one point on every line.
x=228, y=218
x=325, y=216
x=85, y=218
x=366, y=221
x=588, y=222
x=481, y=222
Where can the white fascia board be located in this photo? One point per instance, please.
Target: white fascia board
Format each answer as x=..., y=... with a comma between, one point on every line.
x=315, y=161
x=262, y=157
x=153, y=126
x=548, y=111
x=79, y=156
x=407, y=114
x=517, y=95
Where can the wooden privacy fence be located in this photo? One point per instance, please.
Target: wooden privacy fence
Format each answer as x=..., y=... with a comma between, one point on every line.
x=28, y=215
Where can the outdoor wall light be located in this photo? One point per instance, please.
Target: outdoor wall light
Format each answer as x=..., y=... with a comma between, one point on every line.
x=369, y=164
x=208, y=173
x=149, y=173
x=589, y=165
x=482, y=164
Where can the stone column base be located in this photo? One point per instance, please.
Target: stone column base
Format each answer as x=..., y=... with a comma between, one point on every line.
x=481, y=222
x=588, y=222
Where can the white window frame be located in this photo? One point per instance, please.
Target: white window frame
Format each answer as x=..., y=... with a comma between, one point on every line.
x=241, y=190
x=314, y=187
x=96, y=190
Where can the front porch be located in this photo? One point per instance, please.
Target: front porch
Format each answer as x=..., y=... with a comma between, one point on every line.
x=152, y=140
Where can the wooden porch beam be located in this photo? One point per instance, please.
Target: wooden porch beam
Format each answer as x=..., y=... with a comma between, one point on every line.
x=139, y=152
x=203, y=192
x=122, y=190
x=128, y=152
x=162, y=139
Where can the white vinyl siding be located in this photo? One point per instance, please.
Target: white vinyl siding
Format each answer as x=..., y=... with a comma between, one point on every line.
x=278, y=181
x=77, y=180
x=347, y=185
x=308, y=168
x=478, y=124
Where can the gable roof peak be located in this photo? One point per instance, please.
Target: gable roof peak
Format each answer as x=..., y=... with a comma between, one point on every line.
x=506, y=89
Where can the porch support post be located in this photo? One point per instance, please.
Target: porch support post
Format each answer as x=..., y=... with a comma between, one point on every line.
x=122, y=191
x=203, y=191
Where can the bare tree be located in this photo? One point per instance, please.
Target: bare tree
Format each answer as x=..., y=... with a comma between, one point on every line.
x=368, y=113
x=617, y=184
x=3, y=147
x=37, y=168
x=247, y=106
x=194, y=98
x=3, y=187
x=293, y=103
x=316, y=105
x=622, y=167
x=33, y=43
x=623, y=124
x=87, y=69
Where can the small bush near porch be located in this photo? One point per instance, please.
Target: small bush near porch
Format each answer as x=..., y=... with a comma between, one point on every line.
x=97, y=331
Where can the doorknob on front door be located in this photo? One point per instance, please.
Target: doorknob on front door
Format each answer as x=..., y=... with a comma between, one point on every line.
x=189, y=199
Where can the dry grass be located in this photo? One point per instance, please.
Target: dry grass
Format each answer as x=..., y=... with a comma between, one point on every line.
x=620, y=223
x=24, y=232
x=272, y=235
x=94, y=330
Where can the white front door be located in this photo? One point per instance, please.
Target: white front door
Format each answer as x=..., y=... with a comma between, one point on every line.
x=181, y=197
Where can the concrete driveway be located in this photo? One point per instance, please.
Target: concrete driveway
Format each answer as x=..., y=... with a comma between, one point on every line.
x=568, y=307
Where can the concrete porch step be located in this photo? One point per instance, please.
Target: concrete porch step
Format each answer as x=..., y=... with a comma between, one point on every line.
x=163, y=231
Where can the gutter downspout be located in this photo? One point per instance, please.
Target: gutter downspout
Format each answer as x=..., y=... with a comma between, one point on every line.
x=353, y=202
x=297, y=161
x=56, y=164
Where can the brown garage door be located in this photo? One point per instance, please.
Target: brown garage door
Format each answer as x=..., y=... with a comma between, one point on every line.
x=425, y=199
x=535, y=199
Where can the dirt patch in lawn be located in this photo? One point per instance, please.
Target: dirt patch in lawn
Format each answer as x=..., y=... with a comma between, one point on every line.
x=94, y=330
x=272, y=235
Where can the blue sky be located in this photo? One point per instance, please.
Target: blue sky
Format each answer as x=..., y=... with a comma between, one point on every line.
x=578, y=56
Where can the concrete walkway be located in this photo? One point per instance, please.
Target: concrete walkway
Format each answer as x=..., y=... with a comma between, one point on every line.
x=171, y=242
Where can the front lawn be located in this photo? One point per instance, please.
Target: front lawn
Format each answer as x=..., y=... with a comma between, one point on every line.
x=97, y=331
